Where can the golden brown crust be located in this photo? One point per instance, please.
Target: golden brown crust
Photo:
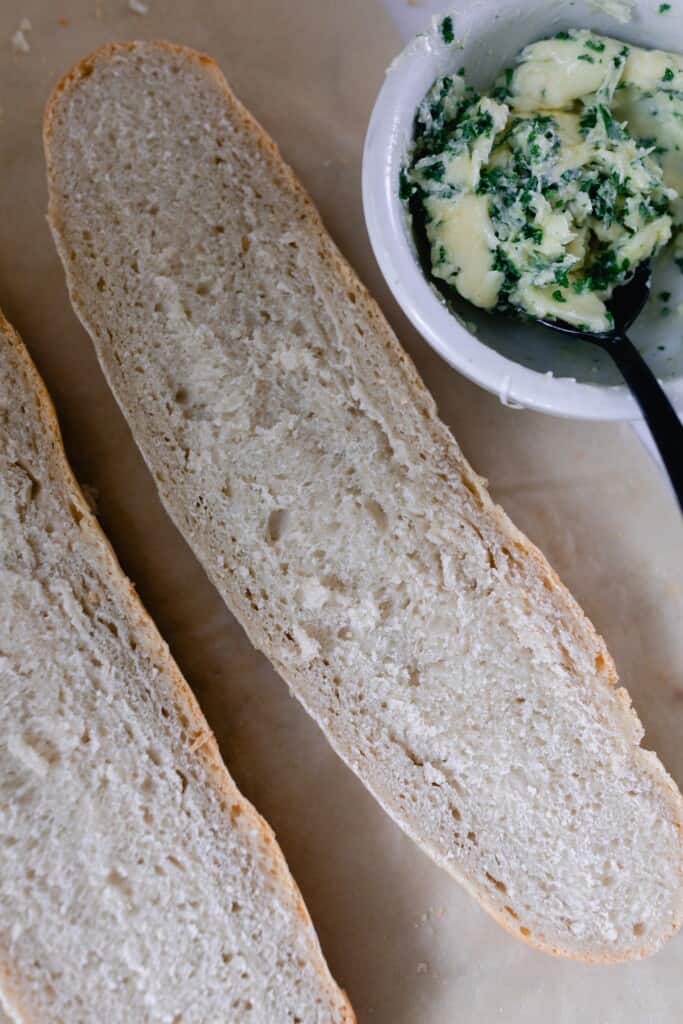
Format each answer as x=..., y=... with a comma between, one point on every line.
x=207, y=750
x=536, y=564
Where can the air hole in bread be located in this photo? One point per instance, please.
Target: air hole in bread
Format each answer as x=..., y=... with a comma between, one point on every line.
x=377, y=513
x=500, y=886
x=278, y=521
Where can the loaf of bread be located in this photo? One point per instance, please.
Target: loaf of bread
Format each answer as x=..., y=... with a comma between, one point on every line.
x=136, y=883
x=300, y=455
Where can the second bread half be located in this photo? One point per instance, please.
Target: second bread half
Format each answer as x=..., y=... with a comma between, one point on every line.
x=299, y=453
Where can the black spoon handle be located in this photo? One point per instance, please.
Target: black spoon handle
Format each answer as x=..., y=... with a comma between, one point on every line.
x=660, y=416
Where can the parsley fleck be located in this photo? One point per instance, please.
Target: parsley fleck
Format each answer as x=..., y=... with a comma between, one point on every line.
x=595, y=44
x=586, y=57
x=558, y=296
x=534, y=232
x=665, y=296
x=447, y=33
x=668, y=75
x=562, y=35
x=679, y=263
x=434, y=171
x=663, y=8
x=405, y=186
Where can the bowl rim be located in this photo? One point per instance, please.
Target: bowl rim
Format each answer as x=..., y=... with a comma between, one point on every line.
x=387, y=136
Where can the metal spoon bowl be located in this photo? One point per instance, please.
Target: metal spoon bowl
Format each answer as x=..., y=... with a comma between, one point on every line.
x=625, y=305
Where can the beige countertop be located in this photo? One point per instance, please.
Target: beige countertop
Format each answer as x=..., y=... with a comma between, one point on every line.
x=407, y=943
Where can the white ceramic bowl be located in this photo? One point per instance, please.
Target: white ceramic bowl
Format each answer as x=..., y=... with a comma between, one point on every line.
x=523, y=364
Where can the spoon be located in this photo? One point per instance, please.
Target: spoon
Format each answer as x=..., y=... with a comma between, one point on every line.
x=625, y=305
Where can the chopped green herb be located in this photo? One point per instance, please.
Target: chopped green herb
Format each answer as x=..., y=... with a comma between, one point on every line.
x=663, y=8
x=460, y=72
x=661, y=348
x=405, y=185
x=665, y=311
x=447, y=33
x=595, y=44
x=679, y=263
x=562, y=35
x=534, y=232
x=665, y=296
x=668, y=75
x=558, y=296
x=587, y=57
x=433, y=172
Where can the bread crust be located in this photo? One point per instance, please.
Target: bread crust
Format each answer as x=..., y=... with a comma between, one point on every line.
x=204, y=746
x=450, y=457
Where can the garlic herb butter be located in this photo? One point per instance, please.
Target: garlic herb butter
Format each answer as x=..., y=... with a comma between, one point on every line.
x=546, y=194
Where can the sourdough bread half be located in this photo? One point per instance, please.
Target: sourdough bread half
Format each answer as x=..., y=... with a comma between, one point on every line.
x=298, y=452
x=136, y=883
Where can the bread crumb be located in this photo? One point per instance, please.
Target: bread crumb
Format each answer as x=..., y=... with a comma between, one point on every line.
x=138, y=7
x=19, y=42
x=64, y=22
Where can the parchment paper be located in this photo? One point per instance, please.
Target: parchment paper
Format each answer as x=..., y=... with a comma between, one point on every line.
x=407, y=943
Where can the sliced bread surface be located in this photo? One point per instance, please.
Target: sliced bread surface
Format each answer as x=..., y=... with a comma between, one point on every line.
x=136, y=883
x=298, y=452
